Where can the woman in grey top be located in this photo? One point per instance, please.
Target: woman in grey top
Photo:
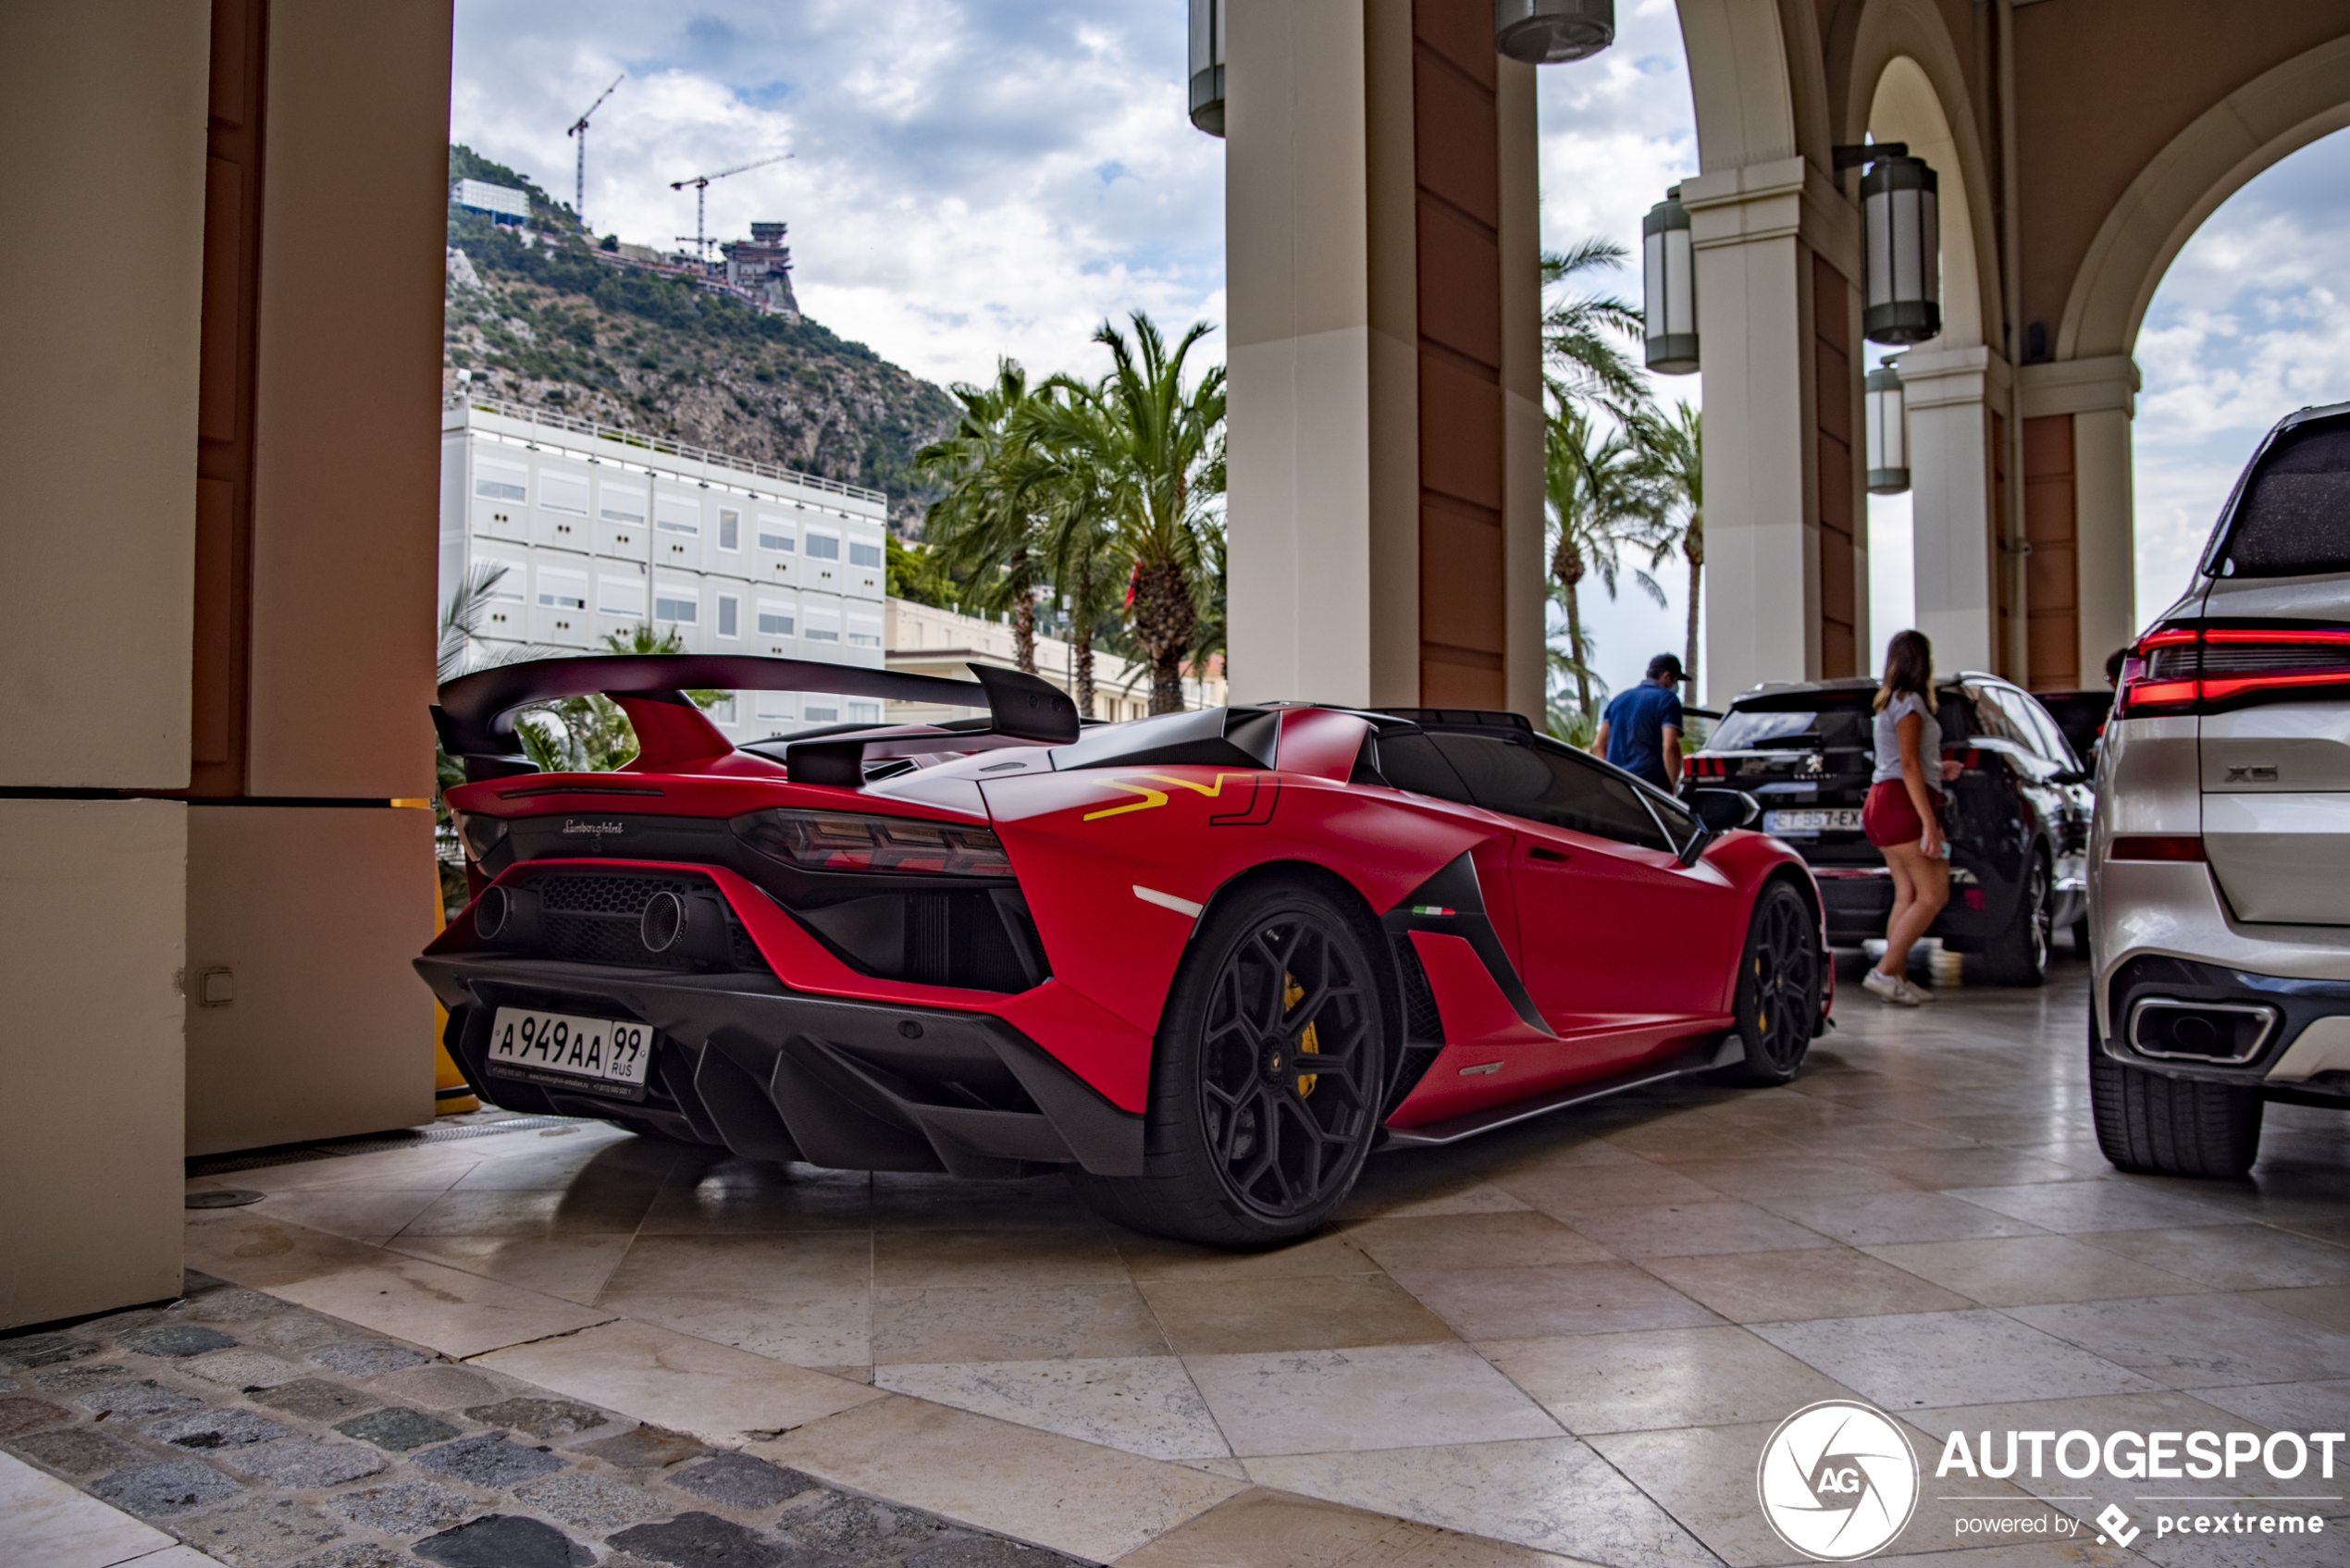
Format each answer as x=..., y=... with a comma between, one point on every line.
x=1903, y=814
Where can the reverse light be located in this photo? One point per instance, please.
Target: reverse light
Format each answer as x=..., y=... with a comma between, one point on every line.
x=838, y=841
x=2191, y=670
x=2175, y=846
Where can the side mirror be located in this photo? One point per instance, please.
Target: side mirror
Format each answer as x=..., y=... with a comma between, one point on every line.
x=1717, y=812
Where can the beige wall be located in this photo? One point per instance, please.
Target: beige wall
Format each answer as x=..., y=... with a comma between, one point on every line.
x=314, y=911
x=347, y=417
x=102, y=118
x=90, y=961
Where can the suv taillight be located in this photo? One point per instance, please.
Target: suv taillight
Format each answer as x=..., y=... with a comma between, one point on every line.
x=2176, y=670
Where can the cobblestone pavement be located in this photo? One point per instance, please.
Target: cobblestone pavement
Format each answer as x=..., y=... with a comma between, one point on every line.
x=1569, y=1340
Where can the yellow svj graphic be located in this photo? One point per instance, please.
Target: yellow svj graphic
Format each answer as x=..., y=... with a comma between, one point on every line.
x=1152, y=797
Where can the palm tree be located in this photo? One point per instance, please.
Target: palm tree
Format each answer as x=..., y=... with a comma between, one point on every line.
x=1155, y=451
x=1599, y=502
x=1672, y=458
x=1584, y=362
x=985, y=529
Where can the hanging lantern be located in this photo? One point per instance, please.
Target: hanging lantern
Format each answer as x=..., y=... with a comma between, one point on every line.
x=1888, y=423
x=1544, y=32
x=1668, y=278
x=1207, y=66
x=1901, y=213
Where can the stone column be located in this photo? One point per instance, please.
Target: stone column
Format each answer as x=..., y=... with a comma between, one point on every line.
x=1385, y=504
x=2101, y=396
x=1778, y=325
x=1953, y=396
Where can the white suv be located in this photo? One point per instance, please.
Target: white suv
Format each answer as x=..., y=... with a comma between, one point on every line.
x=2220, y=856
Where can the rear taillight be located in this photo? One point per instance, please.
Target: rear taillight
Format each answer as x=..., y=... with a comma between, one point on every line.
x=1703, y=767
x=2174, y=846
x=2181, y=670
x=838, y=841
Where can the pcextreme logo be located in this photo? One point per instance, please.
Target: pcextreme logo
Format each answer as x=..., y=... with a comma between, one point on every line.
x=1838, y=1480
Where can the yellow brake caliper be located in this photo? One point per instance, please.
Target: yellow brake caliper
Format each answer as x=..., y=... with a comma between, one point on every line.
x=1308, y=1044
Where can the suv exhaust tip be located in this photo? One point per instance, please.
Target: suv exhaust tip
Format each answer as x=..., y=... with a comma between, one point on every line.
x=2220, y=1032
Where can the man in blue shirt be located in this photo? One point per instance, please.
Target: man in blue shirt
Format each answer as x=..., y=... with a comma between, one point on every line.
x=1640, y=730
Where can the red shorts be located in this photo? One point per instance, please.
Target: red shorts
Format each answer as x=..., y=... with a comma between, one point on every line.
x=1889, y=816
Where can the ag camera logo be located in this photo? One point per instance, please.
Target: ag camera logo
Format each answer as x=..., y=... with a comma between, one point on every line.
x=1838, y=1480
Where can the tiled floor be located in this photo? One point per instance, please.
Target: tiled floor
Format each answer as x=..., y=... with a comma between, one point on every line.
x=1570, y=1339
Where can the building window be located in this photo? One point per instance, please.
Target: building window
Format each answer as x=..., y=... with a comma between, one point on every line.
x=676, y=604
x=864, y=555
x=826, y=630
x=823, y=547
x=496, y=482
x=721, y=711
x=562, y=590
x=729, y=610
x=864, y=713
x=864, y=634
x=773, y=705
x=621, y=506
x=730, y=528
x=816, y=715
x=773, y=622
x=620, y=596
x=558, y=494
x=772, y=536
x=681, y=518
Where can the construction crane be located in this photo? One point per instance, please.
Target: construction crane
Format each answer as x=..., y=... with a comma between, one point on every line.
x=700, y=183
x=579, y=129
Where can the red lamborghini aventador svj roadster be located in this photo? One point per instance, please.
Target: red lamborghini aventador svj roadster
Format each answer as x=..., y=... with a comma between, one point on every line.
x=1204, y=963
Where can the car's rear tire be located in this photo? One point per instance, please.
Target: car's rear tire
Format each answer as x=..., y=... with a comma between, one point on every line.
x=2172, y=1126
x=1780, y=975
x=2019, y=955
x=1241, y=1149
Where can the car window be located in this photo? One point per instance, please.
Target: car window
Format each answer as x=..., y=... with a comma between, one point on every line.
x=1994, y=723
x=1558, y=787
x=2289, y=522
x=1411, y=761
x=2052, y=743
x=1757, y=729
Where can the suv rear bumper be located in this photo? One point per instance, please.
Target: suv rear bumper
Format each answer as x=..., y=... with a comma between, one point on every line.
x=770, y=1073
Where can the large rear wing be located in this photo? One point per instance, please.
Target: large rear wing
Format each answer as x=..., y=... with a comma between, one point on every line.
x=476, y=713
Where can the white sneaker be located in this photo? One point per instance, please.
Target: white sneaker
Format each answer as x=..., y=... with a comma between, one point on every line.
x=1892, y=988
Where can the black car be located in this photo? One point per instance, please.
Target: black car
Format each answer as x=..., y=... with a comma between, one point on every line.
x=2017, y=815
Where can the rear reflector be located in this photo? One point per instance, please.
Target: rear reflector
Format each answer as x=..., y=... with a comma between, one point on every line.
x=2155, y=847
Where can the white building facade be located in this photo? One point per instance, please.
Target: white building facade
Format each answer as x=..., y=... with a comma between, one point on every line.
x=602, y=530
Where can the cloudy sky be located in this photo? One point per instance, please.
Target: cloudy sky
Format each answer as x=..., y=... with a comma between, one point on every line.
x=997, y=176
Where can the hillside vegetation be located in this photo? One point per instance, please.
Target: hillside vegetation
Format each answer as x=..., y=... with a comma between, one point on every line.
x=552, y=325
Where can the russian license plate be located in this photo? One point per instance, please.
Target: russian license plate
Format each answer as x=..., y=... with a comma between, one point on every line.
x=601, y=1056
x=1839, y=819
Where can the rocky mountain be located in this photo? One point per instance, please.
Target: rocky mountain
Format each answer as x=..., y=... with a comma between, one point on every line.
x=539, y=317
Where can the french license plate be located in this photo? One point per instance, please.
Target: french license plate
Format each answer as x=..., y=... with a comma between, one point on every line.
x=601, y=1056
x=1839, y=819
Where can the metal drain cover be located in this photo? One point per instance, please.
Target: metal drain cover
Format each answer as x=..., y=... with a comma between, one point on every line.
x=225, y=1198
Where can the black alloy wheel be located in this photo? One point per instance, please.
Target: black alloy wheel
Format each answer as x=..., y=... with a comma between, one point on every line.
x=1267, y=1077
x=1780, y=976
x=2019, y=955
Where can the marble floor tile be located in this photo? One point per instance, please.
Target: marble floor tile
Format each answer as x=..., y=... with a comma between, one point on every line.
x=2231, y=1257
x=574, y=1268
x=2197, y=1341
x=357, y=1213
x=1691, y=1230
x=1517, y=1238
x=1662, y=1378
x=53, y=1525
x=2168, y=1410
x=958, y=1322
x=1398, y=1202
x=1903, y=1361
x=1520, y=1304
x=1567, y=1190
x=2117, y=1205
x=915, y=1258
x=1212, y=1316
x=786, y=1261
x=1827, y=1282
x=407, y=1298
x=1705, y=1476
x=780, y=1198
x=713, y=1392
x=1143, y=1404
x=1154, y=1257
x=1096, y=1502
x=1877, y=1219
x=1674, y=1139
x=1371, y=1397
x=604, y=1209
x=904, y=1202
x=1552, y=1494
x=1976, y=1165
x=2028, y=1270
x=1268, y=1529
x=816, y=1324
x=2294, y=1407
x=1799, y=1177
x=2325, y=1305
